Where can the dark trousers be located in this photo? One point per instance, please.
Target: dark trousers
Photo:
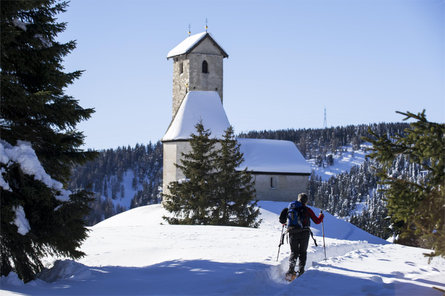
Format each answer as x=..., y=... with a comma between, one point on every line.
x=299, y=241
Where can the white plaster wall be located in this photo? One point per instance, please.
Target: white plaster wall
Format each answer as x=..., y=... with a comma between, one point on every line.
x=172, y=154
x=286, y=187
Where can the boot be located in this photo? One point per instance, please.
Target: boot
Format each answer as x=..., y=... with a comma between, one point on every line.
x=300, y=272
x=291, y=274
x=291, y=267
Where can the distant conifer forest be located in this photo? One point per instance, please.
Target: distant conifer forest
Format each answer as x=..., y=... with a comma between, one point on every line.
x=129, y=177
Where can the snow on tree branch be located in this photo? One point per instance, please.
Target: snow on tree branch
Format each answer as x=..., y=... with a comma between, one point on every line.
x=25, y=156
x=20, y=220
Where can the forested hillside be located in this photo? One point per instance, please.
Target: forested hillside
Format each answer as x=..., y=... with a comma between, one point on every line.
x=353, y=194
x=320, y=142
x=121, y=179
x=129, y=177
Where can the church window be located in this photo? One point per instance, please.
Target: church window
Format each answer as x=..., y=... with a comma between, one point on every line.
x=181, y=67
x=205, y=67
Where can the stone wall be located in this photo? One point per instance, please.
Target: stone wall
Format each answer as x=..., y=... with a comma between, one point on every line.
x=187, y=72
x=180, y=80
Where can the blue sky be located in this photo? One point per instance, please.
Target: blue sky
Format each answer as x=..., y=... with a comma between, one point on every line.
x=288, y=60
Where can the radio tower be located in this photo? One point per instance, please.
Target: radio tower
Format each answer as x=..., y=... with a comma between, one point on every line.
x=325, y=122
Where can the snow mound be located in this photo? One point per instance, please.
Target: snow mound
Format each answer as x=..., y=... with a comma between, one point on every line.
x=65, y=269
x=137, y=253
x=11, y=280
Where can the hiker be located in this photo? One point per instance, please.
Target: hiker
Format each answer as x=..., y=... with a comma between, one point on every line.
x=297, y=217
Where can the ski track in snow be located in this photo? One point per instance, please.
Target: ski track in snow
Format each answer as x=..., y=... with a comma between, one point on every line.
x=135, y=253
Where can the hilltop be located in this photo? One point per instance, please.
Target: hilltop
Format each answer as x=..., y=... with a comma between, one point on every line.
x=137, y=253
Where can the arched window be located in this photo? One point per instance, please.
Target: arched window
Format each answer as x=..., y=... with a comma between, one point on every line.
x=205, y=67
x=181, y=68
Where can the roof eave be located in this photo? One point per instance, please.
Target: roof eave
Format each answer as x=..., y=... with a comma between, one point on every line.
x=207, y=35
x=252, y=171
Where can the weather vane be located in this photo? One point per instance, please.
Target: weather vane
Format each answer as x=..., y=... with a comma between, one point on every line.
x=190, y=30
x=206, y=25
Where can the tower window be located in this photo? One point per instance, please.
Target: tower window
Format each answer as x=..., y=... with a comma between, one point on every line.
x=181, y=67
x=272, y=183
x=205, y=67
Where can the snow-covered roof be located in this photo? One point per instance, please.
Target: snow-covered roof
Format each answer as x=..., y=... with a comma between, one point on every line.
x=190, y=42
x=272, y=156
x=196, y=106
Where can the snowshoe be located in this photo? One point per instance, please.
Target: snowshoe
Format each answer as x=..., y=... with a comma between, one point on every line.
x=290, y=276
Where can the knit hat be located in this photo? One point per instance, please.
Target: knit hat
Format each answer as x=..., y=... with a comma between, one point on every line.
x=302, y=197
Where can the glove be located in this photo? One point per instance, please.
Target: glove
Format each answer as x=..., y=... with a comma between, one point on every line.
x=321, y=217
x=283, y=216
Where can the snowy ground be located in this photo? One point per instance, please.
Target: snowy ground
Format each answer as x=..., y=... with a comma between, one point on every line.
x=137, y=253
x=342, y=162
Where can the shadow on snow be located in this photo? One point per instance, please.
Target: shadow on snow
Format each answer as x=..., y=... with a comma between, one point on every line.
x=203, y=277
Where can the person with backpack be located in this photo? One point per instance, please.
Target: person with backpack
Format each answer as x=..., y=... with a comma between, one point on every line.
x=297, y=216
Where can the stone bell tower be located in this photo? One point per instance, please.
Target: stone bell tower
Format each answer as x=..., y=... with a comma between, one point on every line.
x=197, y=66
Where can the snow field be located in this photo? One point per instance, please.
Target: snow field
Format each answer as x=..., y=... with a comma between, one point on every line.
x=137, y=253
x=342, y=162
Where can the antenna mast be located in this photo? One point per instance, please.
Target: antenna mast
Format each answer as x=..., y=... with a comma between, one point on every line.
x=325, y=122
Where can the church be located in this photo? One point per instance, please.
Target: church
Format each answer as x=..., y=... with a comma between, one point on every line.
x=279, y=170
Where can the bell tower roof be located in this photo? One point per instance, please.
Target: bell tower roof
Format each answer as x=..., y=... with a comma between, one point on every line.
x=191, y=42
x=204, y=106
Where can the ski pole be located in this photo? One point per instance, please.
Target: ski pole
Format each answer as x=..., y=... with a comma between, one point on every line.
x=322, y=230
x=281, y=241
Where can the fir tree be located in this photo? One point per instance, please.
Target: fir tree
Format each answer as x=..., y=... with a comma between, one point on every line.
x=213, y=191
x=416, y=208
x=35, y=109
x=235, y=203
x=192, y=199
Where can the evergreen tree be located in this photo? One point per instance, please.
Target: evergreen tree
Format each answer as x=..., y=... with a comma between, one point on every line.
x=213, y=191
x=416, y=208
x=35, y=109
x=192, y=199
x=235, y=196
